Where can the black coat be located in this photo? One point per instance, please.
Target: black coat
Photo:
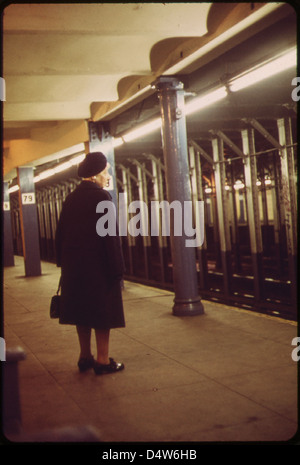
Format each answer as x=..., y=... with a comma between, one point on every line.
x=91, y=265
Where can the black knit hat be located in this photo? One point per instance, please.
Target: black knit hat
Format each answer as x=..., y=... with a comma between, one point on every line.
x=93, y=164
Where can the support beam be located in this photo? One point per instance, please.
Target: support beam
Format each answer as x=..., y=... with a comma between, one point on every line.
x=171, y=96
x=229, y=142
x=279, y=214
x=223, y=209
x=259, y=127
x=124, y=214
x=250, y=170
x=202, y=152
x=8, y=250
x=289, y=198
x=29, y=222
x=159, y=197
x=143, y=197
x=197, y=194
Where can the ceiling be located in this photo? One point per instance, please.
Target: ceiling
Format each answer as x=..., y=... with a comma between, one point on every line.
x=60, y=58
x=67, y=64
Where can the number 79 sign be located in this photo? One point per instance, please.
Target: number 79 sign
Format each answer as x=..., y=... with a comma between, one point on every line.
x=28, y=198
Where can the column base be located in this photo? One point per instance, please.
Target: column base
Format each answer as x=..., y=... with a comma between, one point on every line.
x=32, y=268
x=188, y=307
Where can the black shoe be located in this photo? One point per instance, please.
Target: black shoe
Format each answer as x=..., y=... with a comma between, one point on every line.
x=112, y=367
x=85, y=364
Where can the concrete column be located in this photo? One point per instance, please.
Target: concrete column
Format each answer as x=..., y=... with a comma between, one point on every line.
x=12, y=415
x=171, y=95
x=29, y=222
x=8, y=250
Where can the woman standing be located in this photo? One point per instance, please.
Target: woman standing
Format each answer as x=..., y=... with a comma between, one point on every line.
x=91, y=267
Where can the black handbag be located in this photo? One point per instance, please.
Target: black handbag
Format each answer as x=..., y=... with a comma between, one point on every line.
x=55, y=303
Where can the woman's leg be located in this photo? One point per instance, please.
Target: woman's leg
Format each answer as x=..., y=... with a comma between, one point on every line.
x=84, y=336
x=102, y=342
x=105, y=364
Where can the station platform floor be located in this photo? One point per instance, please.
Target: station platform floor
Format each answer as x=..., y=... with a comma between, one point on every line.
x=224, y=376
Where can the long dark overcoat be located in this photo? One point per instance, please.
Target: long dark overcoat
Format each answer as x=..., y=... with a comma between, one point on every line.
x=91, y=266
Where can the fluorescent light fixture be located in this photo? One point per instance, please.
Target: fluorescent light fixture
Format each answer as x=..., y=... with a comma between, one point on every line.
x=77, y=160
x=195, y=105
x=142, y=130
x=59, y=168
x=205, y=100
x=13, y=189
x=264, y=71
x=117, y=142
x=62, y=167
x=250, y=77
x=46, y=174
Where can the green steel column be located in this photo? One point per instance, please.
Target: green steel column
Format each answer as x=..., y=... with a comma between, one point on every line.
x=171, y=95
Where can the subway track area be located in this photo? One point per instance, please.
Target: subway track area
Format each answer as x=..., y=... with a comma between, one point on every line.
x=248, y=254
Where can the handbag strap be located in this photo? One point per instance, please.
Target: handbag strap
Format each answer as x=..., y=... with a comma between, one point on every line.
x=59, y=286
